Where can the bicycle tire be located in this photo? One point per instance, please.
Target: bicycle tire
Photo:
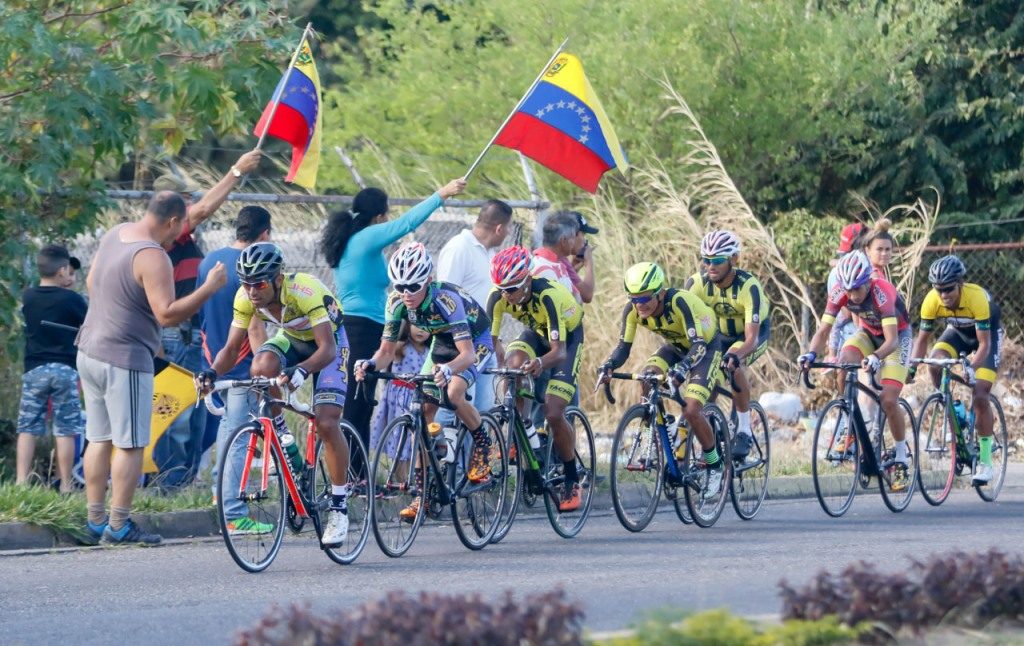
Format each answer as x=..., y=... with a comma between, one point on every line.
x=476, y=507
x=568, y=524
x=835, y=490
x=706, y=511
x=896, y=503
x=360, y=505
x=394, y=490
x=989, y=492
x=251, y=552
x=748, y=493
x=641, y=454
x=513, y=481
x=937, y=463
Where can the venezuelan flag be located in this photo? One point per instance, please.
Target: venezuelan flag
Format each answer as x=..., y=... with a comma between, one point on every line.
x=562, y=126
x=298, y=120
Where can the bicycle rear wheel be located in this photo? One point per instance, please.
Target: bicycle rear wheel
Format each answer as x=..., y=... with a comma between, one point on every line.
x=359, y=504
x=636, y=469
x=476, y=506
x=936, y=470
x=513, y=481
x=251, y=519
x=835, y=459
x=749, y=483
x=896, y=499
x=706, y=509
x=398, y=477
x=568, y=524
x=989, y=492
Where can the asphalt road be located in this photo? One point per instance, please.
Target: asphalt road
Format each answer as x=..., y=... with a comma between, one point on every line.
x=192, y=593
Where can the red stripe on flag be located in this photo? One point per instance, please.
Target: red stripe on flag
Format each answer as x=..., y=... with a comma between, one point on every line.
x=553, y=149
x=289, y=125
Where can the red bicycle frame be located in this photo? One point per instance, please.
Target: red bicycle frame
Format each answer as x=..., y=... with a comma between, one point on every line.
x=277, y=451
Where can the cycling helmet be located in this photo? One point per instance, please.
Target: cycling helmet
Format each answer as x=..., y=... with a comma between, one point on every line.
x=259, y=261
x=411, y=264
x=511, y=267
x=946, y=270
x=854, y=269
x=719, y=243
x=644, y=277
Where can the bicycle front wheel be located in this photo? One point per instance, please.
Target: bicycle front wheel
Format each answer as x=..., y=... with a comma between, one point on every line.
x=251, y=517
x=359, y=503
x=704, y=504
x=897, y=492
x=936, y=469
x=636, y=469
x=568, y=521
x=1000, y=443
x=513, y=481
x=477, y=503
x=399, y=485
x=835, y=459
x=749, y=483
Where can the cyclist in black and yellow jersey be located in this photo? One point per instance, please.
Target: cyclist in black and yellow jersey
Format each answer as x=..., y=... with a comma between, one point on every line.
x=739, y=302
x=553, y=341
x=972, y=325
x=310, y=341
x=693, y=340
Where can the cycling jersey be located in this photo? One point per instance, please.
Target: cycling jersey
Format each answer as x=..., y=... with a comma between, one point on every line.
x=551, y=310
x=738, y=305
x=448, y=313
x=882, y=306
x=974, y=310
x=306, y=303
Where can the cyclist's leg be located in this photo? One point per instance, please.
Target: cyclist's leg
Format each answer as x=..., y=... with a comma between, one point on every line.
x=330, y=387
x=659, y=363
x=985, y=377
x=705, y=362
x=949, y=345
x=559, y=394
x=892, y=377
x=528, y=346
x=741, y=398
x=272, y=357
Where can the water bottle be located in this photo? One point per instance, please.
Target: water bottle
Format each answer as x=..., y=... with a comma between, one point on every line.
x=531, y=435
x=672, y=428
x=444, y=443
x=291, y=449
x=961, y=413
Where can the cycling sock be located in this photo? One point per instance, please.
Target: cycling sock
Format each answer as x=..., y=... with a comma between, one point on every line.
x=711, y=457
x=118, y=517
x=339, y=497
x=743, y=422
x=985, y=444
x=279, y=423
x=571, y=475
x=901, y=451
x=97, y=514
x=480, y=438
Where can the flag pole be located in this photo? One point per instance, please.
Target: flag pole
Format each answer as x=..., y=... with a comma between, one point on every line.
x=284, y=83
x=516, y=108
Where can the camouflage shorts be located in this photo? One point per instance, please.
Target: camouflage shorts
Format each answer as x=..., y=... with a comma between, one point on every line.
x=54, y=381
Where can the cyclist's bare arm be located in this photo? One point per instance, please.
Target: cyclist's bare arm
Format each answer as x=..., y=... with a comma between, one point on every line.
x=466, y=357
x=228, y=355
x=921, y=344
x=556, y=355
x=382, y=358
x=892, y=340
x=750, y=333
x=326, y=349
x=257, y=333
x=818, y=341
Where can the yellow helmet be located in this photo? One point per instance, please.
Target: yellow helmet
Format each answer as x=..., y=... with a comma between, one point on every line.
x=644, y=277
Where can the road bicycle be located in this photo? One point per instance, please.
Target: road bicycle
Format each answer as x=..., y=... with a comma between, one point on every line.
x=538, y=472
x=406, y=466
x=644, y=462
x=257, y=474
x=951, y=442
x=841, y=458
x=749, y=483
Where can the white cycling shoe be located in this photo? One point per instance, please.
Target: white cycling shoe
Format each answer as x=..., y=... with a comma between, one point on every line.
x=983, y=475
x=336, y=529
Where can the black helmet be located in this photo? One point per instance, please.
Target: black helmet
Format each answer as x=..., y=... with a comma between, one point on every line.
x=946, y=270
x=259, y=261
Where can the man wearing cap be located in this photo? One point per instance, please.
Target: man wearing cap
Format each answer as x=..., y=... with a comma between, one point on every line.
x=50, y=372
x=178, y=454
x=565, y=253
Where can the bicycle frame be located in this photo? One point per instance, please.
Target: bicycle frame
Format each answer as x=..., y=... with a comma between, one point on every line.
x=852, y=407
x=508, y=408
x=964, y=435
x=654, y=401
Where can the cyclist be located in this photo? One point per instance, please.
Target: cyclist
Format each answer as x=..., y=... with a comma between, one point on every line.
x=552, y=341
x=461, y=342
x=882, y=344
x=693, y=341
x=972, y=325
x=309, y=341
x=738, y=299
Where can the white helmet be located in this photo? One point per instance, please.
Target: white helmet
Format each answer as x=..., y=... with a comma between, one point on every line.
x=719, y=243
x=854, y=270
x=411, y=264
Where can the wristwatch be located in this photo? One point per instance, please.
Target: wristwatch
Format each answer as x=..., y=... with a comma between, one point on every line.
x=236, y=172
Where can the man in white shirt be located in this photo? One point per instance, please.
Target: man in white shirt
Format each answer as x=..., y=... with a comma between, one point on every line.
x=465, y=260
x=564, y=248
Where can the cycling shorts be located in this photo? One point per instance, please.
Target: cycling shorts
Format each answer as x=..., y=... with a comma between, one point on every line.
x=439, y=353
x=732, y=343
x=705, y=361
x=562, y=383
x=330, y=385
x=955, y=341
x=896, y=364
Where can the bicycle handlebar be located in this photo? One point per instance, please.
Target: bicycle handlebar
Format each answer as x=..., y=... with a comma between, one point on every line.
x=255, y=383
x=847, y=367
x=944, y=363
x=415, y=378
x=645, y=377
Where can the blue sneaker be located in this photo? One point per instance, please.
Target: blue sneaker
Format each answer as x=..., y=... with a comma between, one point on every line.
x=130, y=534
x=92, y=534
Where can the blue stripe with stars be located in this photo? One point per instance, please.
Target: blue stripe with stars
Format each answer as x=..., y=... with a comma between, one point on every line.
x=562, y=110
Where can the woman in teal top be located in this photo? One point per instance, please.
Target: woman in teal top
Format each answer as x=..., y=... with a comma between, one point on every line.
x=353, y=243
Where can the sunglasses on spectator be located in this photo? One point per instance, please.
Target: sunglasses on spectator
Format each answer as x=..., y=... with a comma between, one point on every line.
x=259, y=284
x=410, y=288
x=717, y=260
x=945, y=289
x=640, y=300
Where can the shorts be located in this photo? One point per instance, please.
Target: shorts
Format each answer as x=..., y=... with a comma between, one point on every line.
x=483, y=346
x=563, y=377
x=40, y=385
x=119, y=403
x=330, y=385
x=894, y=366
x=955, y=341
x=764, y=333
x=705, y=366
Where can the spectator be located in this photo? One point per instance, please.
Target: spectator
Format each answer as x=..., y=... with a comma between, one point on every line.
x=50, y=364
x=177, y=454
x=252, y=225
x=465, y=260
x=409, y=357
x=564, y=244
x=353, y=244
x=878, y=244
x=131, y=286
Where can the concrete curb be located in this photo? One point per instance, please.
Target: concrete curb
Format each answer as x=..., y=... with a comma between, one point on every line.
x=175, y=524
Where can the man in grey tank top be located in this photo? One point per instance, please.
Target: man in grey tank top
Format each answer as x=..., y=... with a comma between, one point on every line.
x=131, y=292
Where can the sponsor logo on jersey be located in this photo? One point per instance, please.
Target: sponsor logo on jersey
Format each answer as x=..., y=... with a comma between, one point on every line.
x=691, y=332
x=879, y=295
x=333, y=310
x=300, y=289
x=554, y=335
x=725, y=309
x=705, y=322
x=446, y=302
x=756, y=318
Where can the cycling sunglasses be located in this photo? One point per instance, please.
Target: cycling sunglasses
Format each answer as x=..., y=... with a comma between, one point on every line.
x=640, y=300
x=410, y=288
x=257, y=285
x=945, y=289
x=511, y=289
x=717, y=260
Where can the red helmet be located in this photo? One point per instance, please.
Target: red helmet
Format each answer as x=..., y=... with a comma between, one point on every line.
x=511, y=267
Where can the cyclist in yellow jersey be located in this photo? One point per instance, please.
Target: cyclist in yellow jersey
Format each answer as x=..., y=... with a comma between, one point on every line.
x=972, y=325
x=310, y=340
x=553, y=341
x=739, y=301
x=693, y=340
